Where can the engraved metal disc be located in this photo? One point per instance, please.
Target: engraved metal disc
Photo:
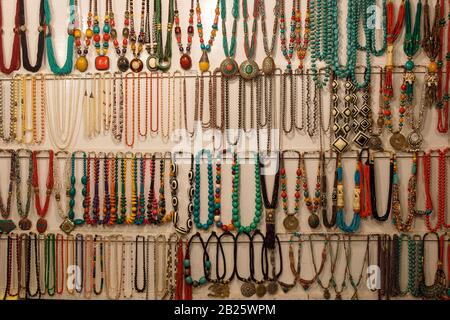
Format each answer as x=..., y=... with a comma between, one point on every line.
x=248, y=289
x=152, y=63
x=290, y=223
x=229, y=67
x=268, y=66
x=375, y=143
x=25, y=224
x=6, y=226
x=249, y=69
x=261, y=290
x=313, y=221
x=415, y=139
x=272, y=287
x=398, y=141
x=123, y=64
x=67, y=226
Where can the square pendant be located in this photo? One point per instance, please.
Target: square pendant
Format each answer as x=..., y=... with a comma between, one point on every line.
x=340, y=144
x=67, y=226
x=361, y=139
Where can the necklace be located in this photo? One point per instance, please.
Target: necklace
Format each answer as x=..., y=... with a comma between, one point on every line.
x=229, y=66
x=98, y=248
x=268, y=65
x=50, y=264
x=55, y=68
x=443, y=86
x=312, y=203
x=290, y=222
x=87, y=190
x=115, y=244
x=60, y=263
x=185, y=59
x=73, y=192
x=441, y=190
x=81, y=64
x=219, y=253
x=136, y=65
x=13, y=110
x=288, y=49
x=324, y=201
x=302, y=42
x=159, y=264
x=236, y=194
x=340, y=219
x=401, y=225
x=7, y=225
x=18, y=27
x=121, y=48
x=42, y=211
x=333, y=261
x=24, y=223
x=174, y=193
x=102, y=60
x=249, y=68
x=117, y=112
x=23, y=37
x=130, y=141
x=67, y=225
x=348, y=253
x=373, y=202
x=62, y=121
x=431, y=44
x=140, y=242
x=152, y=203
x=32, y=237
x=206, y=47
x=164, y=53
x=211, y=204
x=436, y=289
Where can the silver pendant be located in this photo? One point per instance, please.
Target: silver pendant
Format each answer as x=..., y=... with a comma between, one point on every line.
x=375, y=143
x=268, y=66
x=248, y=289
x=152, y=62
x=398, y=141
x=415, y=140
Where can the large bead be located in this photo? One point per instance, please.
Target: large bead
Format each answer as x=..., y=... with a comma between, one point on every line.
x=204, y=62
x=102, y=63
x=185, y=61
x=409, y=65
x=123, y=64
x=81, y=64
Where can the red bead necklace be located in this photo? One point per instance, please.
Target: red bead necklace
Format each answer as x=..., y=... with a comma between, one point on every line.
x=42, y=211
x=366, y=198
x=15, y=57
x=185, y=59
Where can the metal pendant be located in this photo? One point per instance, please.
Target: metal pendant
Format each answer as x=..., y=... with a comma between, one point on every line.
x=248, y=289
x=398, y=141
x=290, y=223
x=25, y=224
x=41, y=225
x=272, y=287
x=229, y=67
x=67, y=226
x=415, y=140
x=152, y=62
x=268, y=66
x=261, y=290
x=123, y=64
x=6, y=226
x=136, y=65
x=326, y=294
x=249, y=69
x=219, y=290
x=375, y=143
x=164, y=64
x=313, y=221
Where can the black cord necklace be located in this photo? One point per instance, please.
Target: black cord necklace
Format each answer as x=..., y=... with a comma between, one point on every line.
x=260, y=284
x=272, y=287
x=140, y=289
x=216, y=286
x=248, y=288
x=373, y=193
x=23, y=37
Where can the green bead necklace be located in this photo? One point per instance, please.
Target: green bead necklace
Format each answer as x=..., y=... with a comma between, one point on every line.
x=73, y=190
x=235, y=197
x=229, y=66
x=164, y=53
x=50, y=264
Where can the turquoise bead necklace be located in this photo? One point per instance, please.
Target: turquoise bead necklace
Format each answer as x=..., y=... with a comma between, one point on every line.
x=340, y=217
x=187, y=264
x=229, y=66
x=67, y=67
x=235, y=197
x=211, y=206
x=371, y=43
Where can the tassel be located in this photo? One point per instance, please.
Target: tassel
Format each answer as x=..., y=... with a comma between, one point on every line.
x=180, y=271
x=431, y=89
x=187, y=287
x=388, y=91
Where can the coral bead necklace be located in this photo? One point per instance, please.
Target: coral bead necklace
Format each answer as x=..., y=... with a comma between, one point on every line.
x=290, y=222
x=206, y=47
x=185, y=59
x=288, y=49
x=15, y=57
x=102, y=60
x=312, y=201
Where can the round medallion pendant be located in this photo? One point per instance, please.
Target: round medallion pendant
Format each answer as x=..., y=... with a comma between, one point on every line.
x=248, y=289
x=415, y=139
x=229, y=67
x=261, y=290
x=123, y=64
x=326, y=294
x=249, y=69
x=186, y=61
x=81, y=64
x=313, y=221
x=102, y=63
x=164, y=65
x=375, y=143
x=25, y=224
x=290, y=223
x=136, y=65
x=398, y=141
x=41, y=225
x=272, y=287
x=268, y=66
x=152, y=63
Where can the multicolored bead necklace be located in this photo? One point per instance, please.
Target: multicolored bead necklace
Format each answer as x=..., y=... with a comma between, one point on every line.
x=122, y=62
x=137, y=40
x=249, y=68
x=42, y=210
x=82, y=64
x=290, y=222
x=206, y=47
x=102, y=60
x=288, y=49
x=312, y=203
x=185, y=59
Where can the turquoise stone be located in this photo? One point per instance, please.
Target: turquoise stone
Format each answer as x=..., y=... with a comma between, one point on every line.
x=186, y=263
x=409, y=65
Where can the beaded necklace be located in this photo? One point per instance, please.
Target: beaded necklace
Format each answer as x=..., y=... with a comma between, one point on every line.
x=114, y=245
x=73, y=191
x=102, y=60
x=206, y=47
x=29, y=239
x=229, y=66
x=42, y=211
x=324, y=192
x=140, y=160
x=23, y=37
x=340, y=219
x=7, y=225
x=50, y=264
x=185, y=59
x=129, y=141
x=122, y=62
x=87, y=191
x=98, y=253
x=333, y=262
x=82, y=64
x=15, y=58
x=114, y=189
x=107, y=160
x=290, y=222
x=211, y=204
x=312, y=203
x=288, y=49
x=136, y=65
x=189, y=281
x=60, y=263
x=400, y=224
x=24, y=223
x=162, y=216
x=443, y=86
x=249, y=68
x=67, y=225
x=121, y=219
x=164, y=53
x=236, y=194
x=13, y=110
x=134, y=186
x=152, y=202
x=174, y=194
x=259, y=285
x=67, y=67
x=348, y=255
x=302, y=42
x=436, y=289
x=431, y=44
x=268, y=64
